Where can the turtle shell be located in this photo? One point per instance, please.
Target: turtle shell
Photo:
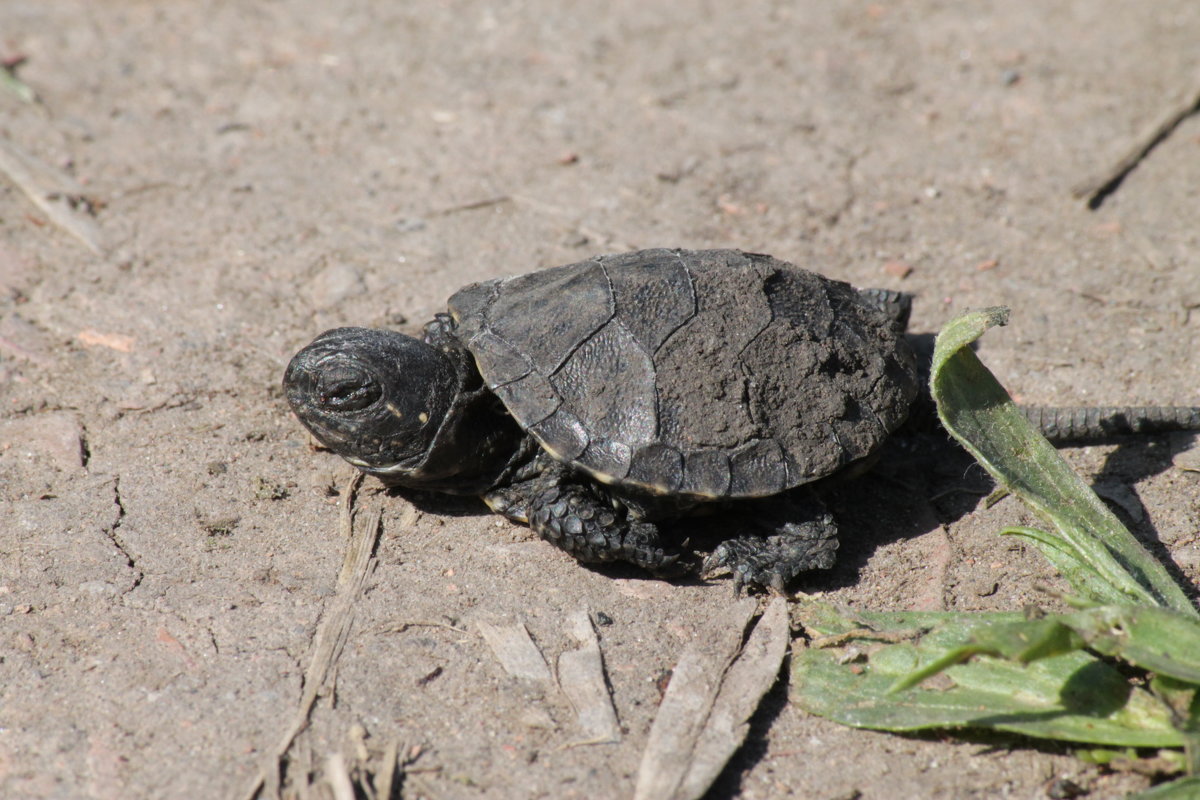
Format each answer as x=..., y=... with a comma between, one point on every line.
x=711, y=373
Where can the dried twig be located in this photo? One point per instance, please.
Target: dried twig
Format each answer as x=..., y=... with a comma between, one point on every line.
x=401, y=627
x=1096, y=188
x=54, y=192
x=516, y=651
x=472, y=206
x=346, y=498
x=387, y=774
x=705, y=713
x=334, y=629
x=581, y=676
x=338, y=778
x=749, y=678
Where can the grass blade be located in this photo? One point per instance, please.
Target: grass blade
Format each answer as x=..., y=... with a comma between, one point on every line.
x=978, y=412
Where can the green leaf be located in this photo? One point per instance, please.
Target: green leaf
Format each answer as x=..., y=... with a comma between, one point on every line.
x=1179, y=789
x=1073, y=696
x=1083, y=578
x=1156, y=639
x=1024, y=641
x=1093, y=549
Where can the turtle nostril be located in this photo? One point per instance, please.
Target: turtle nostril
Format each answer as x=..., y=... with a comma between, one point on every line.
x=347, y=389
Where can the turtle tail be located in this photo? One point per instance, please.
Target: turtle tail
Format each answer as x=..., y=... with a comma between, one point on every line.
x=1079, y=424
x=1059, y=424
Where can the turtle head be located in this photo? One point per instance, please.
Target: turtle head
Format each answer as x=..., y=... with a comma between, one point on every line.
x=376, y=398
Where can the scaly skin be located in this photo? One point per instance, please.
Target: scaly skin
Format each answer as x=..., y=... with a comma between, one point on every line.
x=581, y=519
x=796, y=535
x=1091, y=424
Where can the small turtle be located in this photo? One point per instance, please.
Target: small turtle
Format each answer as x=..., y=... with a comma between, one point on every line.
x=597, y=401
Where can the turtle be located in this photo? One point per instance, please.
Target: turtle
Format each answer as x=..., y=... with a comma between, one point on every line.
x=600, y=401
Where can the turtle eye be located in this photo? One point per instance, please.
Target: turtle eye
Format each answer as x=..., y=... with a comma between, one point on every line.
x=345, y=388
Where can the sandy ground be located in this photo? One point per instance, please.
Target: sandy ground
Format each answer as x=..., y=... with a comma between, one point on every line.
x=261, y=171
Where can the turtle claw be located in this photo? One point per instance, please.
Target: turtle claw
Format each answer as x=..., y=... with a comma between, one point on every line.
x=771, y=563
x=717, y=563
x=730, y=558
x=669, y=565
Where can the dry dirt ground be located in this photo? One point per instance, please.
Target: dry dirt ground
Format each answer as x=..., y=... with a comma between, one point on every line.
x=260, y=171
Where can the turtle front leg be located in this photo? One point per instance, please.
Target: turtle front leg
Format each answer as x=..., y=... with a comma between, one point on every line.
x=439, y=331
x=579, y=518
x=802, y=537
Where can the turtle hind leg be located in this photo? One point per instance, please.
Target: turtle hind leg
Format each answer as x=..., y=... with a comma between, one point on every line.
x=802, y=536
x=580, y=518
